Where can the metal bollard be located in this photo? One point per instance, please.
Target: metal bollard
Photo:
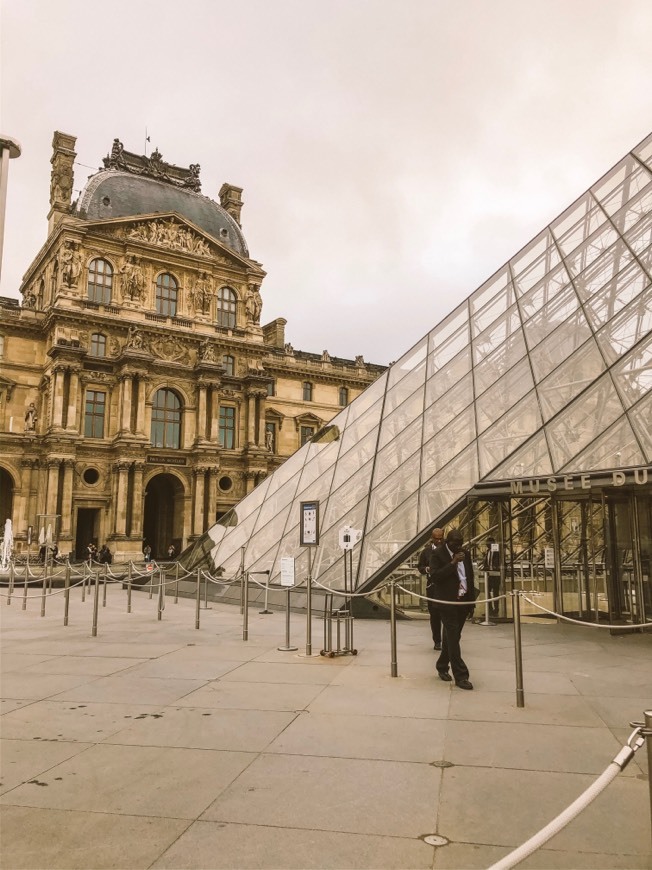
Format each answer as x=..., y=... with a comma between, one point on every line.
x=518, y=652
x=486, y=621
x=83, y=583
x=242, y=570
x=648, y=746
x=43, y=591
x=66, y=595
x=288, y=646
x=104, y=579
x=151, y=579
x=176, y=583
x=25, y=591
x=198, y=598
x=129, y=588
x=161, y=596
x=309, y=607
x=12, y=569
x=96, y=603
x=392, y=623
x=245, y=615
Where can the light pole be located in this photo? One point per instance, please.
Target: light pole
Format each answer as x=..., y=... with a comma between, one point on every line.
x=9, y=149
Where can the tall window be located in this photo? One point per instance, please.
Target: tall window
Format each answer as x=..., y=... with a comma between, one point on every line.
x=271, y=388
x=307, y=391
x=94, y=414
x=166, y=295
x=306, y=434
x=344, y=397
x=228, y=362
x=98, y=344
x=166, y=420
x=100, y=281
x=227, y=427
x=226, y=307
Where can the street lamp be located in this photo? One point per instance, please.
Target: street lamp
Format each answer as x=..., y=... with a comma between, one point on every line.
x=9, y=149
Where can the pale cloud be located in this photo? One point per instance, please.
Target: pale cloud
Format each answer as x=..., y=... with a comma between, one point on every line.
x=392, y=155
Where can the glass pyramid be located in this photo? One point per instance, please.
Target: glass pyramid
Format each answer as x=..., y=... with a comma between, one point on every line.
x=544, y=369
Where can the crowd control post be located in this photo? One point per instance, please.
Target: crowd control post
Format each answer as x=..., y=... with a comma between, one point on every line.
x=66, y=595
x=392, y=623
x=287, y=580
x=198, y=598
x=96, y=603
x=518, y=652
x=245, y=613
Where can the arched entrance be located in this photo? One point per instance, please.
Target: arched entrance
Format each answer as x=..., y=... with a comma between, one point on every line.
x=6, y=497
x=163, y=519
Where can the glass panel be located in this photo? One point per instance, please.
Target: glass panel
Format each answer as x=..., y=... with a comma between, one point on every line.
x=591, y=250
x=559, y=346
x=398, y=451
x=601, y=273
x=447, y=486
x=644, y=151
x=541, y=294
x=453, y=403
x=530, y=460
x=252, y=502
x=499, y=398
x=578, y=224
x=393, y=425
x=384, y=541
x=570, y=378
x=625, y=330
x=275, y=503
x=447, y=443
x=640, y=417
x=616, y=448
x=498, y=283
x=387, y=496
x=639, y=238
x=586, y=419
x=633, y=375
x=448, y=339
x=496, y=334
x=408, y=386
x=530, y=270
x=508, y=433
x=621, y=184
x=632, y=212
x=613, y=297
x=442, y=381
x=552, y=315
x=499, y=362
x=349, y=494
x=359, y=455
x=366, y=399
x=360, y=427
x=328, y=567
x=493, y=309
x=411, y=361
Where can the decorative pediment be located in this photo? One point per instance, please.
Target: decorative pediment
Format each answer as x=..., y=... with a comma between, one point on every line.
x=308, y=420
x=171, y=234
x=6, y=386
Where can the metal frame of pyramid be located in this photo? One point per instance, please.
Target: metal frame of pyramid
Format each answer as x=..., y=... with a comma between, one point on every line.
x=545, y=369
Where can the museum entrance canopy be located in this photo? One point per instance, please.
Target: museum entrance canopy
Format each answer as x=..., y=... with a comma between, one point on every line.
x=543, y=372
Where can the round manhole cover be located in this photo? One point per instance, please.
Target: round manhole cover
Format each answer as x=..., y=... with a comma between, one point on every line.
x=435, y=840
x=442, y=764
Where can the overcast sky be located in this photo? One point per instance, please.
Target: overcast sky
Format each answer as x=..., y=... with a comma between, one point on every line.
x=393, y=153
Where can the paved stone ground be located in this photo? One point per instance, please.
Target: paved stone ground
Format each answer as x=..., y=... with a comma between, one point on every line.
x=158, y=745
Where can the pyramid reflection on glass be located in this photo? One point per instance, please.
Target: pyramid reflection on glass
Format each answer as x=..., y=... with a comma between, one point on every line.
x=545, y=369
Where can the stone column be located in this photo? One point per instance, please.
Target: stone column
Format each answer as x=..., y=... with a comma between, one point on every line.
x=215, y=414
x=212, y=495
x=53, y=486
x=66, y=501
x=198, y=510
x=121, y=498
x=58, y=382
x=73, y=394
x=139, y=505
x=251, y=418
x=140, y=410
x=261, y=419
x=125, y=403
x=201, y=412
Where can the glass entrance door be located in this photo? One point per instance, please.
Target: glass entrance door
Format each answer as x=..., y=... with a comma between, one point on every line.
x=630, y=557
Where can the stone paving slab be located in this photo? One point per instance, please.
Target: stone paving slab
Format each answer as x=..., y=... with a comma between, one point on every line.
x=158, y=745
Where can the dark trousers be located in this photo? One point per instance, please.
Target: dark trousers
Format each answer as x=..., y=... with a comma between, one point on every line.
x=453, y=619
x=435, y=621
x=494, y=589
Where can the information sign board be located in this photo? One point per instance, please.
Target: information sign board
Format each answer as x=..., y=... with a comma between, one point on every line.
x=309, y=524
x=287, y=571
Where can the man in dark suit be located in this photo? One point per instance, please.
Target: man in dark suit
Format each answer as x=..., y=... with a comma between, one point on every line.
x=451, y=575
x=437, y=539
x=491, y=564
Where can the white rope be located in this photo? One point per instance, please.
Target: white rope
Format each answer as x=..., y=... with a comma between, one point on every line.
x=581, y=622
x=619, y=763
x=456, y=603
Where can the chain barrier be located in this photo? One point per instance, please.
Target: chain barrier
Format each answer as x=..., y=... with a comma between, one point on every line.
x=636, y=739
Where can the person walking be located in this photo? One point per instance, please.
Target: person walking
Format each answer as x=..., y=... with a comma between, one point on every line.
x=437, y=539
x=451, y=575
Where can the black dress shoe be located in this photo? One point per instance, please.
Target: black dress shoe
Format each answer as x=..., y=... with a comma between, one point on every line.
x=464, y=684
x=445, y=676
x=437, y=645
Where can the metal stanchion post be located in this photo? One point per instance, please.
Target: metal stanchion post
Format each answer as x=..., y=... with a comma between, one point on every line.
x=104, y=581
x=150, y=570
x=12, y=569
x=288, y=647
x=648, y=746
x=83, y=583
x=206, y=581
x=245, y=615
x=487, y=621
x=25, y=591
x=242, y=568
x=66, y=595
x=43, y=590
x=266, y=610
x=176, y=583
x=161, y=594
x=96, y=603
x=520, y=695
x=198, y=598
x=129, y=567
x=309, y=605
x=392, y=622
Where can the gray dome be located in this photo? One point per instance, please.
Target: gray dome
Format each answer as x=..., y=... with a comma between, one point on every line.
x=115, y=194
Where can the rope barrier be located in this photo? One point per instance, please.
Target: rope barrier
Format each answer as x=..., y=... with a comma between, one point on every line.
x=632, y=627
x=456, y=603
x=618, y=764
x=37, y=597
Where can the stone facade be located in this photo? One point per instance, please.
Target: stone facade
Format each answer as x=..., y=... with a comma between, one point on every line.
x=140, y=396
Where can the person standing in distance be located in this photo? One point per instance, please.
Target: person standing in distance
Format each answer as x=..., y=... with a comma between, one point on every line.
x=437, y=540
x=451, y=575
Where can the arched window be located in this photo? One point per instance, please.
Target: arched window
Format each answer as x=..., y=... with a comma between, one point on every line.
x=226, y=307
x=228, y=362
x=166, y=420
x=344, y=397
x=100, y=281
x=98, y=344
x=307, y=391
x=167, y=292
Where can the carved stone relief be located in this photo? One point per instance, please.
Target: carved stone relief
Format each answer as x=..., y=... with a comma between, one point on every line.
x=170, y=234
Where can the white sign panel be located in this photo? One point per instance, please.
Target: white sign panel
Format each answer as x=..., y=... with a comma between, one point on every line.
x=287, y=571
x=349, y=537
x=549, y=557
x=309, y=530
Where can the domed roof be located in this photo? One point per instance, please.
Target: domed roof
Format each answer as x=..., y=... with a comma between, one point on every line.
x=112, y=193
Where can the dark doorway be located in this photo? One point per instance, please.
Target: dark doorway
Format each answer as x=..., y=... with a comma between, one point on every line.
x=163, y=520
x=6, y=498
x=88, y=530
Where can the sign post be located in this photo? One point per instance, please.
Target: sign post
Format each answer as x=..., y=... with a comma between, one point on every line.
x=287, y=580
x=309, y=537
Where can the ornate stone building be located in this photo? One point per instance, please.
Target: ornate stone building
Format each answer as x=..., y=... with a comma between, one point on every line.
x=140, y=396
